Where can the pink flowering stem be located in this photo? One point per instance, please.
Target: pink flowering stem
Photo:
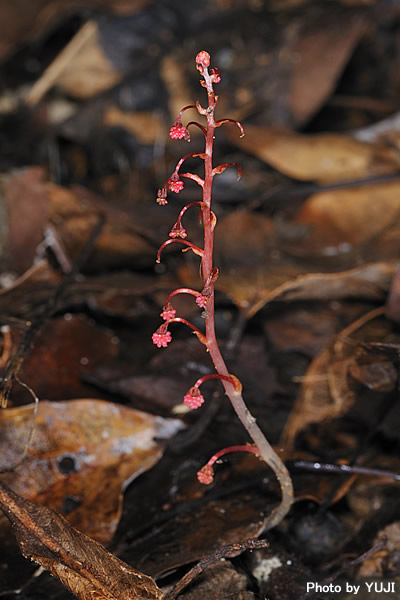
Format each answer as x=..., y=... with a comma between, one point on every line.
x=203, y=129
x=194, y=177
x=231, y=378
x=183, y=291
x=229, y=449
x=266, y=451
x=202, y=338
x=190, y=155
x=185, y=208
x=206, y=474
x=185, y=108
x=222, y=121
x=191, y=246
x=221, y=169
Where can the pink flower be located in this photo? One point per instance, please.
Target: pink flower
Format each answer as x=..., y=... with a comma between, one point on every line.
x=201, y=300
x=168, y=312
x=161, y=338
x=193, y=399
x=203, y=58
x=179, y=132
x=216, y=75
x=178, y=231
x=175, y=185
x=162, y=196
x=206, y=475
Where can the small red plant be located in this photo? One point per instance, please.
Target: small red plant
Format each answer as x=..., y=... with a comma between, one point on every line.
x=205, y=298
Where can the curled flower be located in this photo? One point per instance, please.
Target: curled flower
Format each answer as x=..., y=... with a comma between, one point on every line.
x=203, y=58
x=179, y=131
x=175, y=184
x=201, y=300
x=215, y=75
x=193, y=399
x=162, y=337
x=162, y=196
x=206, y=475
x=178, y=231
x=168, y=312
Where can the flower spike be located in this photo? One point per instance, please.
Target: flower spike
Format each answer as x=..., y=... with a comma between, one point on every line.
x=205, y=299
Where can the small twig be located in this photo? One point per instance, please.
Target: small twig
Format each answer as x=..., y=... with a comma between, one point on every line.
x=223, y=552
x=54, y=70
x=348, y=565
x=315, y=466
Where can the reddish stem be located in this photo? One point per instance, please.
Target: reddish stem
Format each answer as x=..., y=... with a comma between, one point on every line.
x=265, y=449
x=183, y=291
x=197, y=331
x=191, y=246
x=231, y=378
x=229, y=449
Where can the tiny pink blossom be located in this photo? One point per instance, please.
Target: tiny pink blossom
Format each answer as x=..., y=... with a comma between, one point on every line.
x=162, y=196
x=201, y=300
x=161, y=339
x=206, y=475
x=203, y=58
x=168, y=312
x=193, y=399
x=178, y=231
x=175, y=186
x=179, y=132
x=216, y=75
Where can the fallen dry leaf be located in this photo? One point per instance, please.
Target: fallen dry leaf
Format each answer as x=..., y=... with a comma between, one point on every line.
x=352, y=217
x=25, y=20
x=322, y=53
x=325, y=393
x=81, y=564
x=324, y=158
x=82, y=455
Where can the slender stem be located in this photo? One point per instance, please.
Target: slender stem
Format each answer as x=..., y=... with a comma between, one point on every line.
x=266, y=451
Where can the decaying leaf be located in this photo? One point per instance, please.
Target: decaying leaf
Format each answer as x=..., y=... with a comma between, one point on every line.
x=325, y=392
x=81, y=456
x=322, y=54
x=347, y=218
x=81, y=564
x=325, y=157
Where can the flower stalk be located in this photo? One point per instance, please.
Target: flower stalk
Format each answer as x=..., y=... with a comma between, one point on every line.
x=205, y=299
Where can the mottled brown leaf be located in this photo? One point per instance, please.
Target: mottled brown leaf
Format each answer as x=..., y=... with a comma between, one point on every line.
x=81, y=564
x=81, y=456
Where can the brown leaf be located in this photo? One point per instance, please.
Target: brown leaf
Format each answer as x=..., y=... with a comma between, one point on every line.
x=325, y=157
x=25, y=193
x=255, y=268
x=25, y=20
x=88, y=71
x=81, y=564
x=325, y=393
x=81, y=456
x=351, y=217
x=322, y=54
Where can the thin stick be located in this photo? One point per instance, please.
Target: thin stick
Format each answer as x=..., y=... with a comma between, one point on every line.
x=54, y=70
x=223, y=552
